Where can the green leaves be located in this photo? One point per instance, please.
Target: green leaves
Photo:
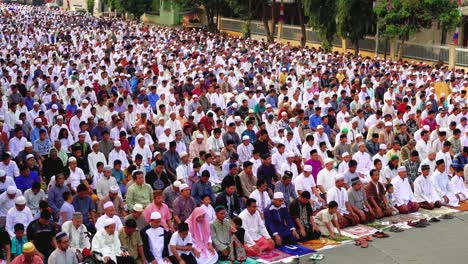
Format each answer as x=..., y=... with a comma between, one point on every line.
x=407, y=17
x=322, y=17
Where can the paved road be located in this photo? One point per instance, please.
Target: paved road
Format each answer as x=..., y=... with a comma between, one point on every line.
x=439, y=243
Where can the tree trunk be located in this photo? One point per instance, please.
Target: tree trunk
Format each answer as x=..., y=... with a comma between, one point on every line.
x=271, y=38
x=301, y=22
x=356, y=47
x=400, y=50
x=265, y=20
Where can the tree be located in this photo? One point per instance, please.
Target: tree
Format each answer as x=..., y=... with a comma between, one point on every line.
x=403, y=18
x=269, y=32
x=90, y=6
x=300, y=15
x=322, y=17
x=135, y=7
x=113, y=5
x=355, y=20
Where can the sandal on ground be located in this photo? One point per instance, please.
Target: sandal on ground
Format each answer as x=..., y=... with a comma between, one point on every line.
x=316, y=257
x=367, y=238
x=364, y=243
x=434, y=220
x=378, y=235
x=447, y=216
x=396, y=229
x=416, y=224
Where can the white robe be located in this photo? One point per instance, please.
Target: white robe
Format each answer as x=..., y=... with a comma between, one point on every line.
x=458, y=187
x=442, y=186
x=424, y=190
x=107, y=245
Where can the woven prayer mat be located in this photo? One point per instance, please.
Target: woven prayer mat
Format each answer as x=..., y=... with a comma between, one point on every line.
x=272, y=256
x=437, y=212
x=321, y=243
x=401, y=218
x=296, y=250
x=358, y=230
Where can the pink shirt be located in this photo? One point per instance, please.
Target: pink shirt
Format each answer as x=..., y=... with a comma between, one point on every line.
x=163, y=210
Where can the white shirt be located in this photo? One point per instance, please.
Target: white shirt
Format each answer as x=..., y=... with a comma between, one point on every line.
x=423, y=148
x=76, y=177
x=107, y=245
x=278, y=159
x=17, y=217
x=364, y=162
x=176, y=240
x=292, y=167
x=254, y=225
x=424, y=190
x=245, y=152
x=156, y=243
x=261, y=204
x=100, y=222
x=340, y=196
x=326, y=178
x=6, y=203
x=447, y=160
x=145, y=152
x=103, y=186
x=16, y=145
x=93, y=159
x=78, y=238
x=118, y=155
x=402, y=191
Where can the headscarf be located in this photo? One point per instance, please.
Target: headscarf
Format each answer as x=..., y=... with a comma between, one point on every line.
x=200, y=237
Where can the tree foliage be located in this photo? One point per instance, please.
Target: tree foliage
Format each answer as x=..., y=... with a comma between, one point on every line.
x=90, y=6
x=135, y=7
x=355, y=20
x=322, y=17
x=404, y=18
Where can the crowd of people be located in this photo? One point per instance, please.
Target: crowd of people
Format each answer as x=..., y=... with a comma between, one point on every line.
x=162, y=145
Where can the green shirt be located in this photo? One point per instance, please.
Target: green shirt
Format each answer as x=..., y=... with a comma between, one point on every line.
x=220, y=234
x=139, y=194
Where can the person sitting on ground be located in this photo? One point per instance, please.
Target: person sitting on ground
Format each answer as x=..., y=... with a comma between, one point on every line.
x=240, y=242
x=137, y=215
x=130, y=239
x=77, y=232
x=155, y=241
x=30, y=255
x=254, y=225
x=441, y=182
x=63, y=253
x=181, y=249
x=424, y=191
x=200, y=229
x=302, y=214
x=279, y=222
x=158, y=206
x=458, y=185
x=358, y=201
x=183, y=205
x=345, y=214
x=229, y=199
x=375, y=193
x=109, y=213
x=107, y=242
x=327, y=220
x=18, y=241
x=404, y=198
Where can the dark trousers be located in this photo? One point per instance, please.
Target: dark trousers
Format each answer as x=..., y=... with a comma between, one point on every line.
x=123, y=260
x=310, y=235
x=189, y=259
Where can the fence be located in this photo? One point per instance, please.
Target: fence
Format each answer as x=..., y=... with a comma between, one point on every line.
x=415, y=51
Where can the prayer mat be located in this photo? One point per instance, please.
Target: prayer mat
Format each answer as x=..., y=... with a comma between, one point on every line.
x=463, y=206
x=296, y=250
x=377, y=224
x=401, y=218
x=358, y=230
x=437, y=212
x=272, y=256
x=320, y=243
x=247, y=261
